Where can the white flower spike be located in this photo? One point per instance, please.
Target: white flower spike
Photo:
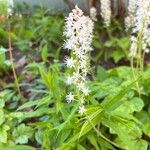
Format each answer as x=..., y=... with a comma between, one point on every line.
x=141, y=27
x=106, y=11
x=129, y=20
x=70, y=98
x=78, y=32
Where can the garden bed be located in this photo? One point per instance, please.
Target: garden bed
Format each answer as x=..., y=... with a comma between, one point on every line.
x=73, y=83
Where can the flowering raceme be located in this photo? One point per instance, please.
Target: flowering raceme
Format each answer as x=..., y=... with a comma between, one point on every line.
x=79, y=32
x=10, y=7
x=106, y=11
x=140, y=37
x=129, y=20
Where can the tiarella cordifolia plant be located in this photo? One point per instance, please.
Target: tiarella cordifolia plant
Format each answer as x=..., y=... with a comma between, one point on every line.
x=106, y=11
x=79, y=32
x=129, y=20
x=140, y=37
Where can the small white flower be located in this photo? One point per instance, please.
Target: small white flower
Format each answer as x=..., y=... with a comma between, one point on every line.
x=68, y=44
x=86, y=91
x=70, y=98
x=70, y=62
x=77, y=12
x=80, y=86
x=82, y=109
x=75, y=77
x=69, y=80
x=147, y=50
x=83, y=88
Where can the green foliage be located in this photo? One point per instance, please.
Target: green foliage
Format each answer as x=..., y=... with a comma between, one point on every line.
x=39, y=33
x=3, y=6
x=4, y=63
x=22, y=133
x=117, y=116
x=113, y=105
x=110, y=43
